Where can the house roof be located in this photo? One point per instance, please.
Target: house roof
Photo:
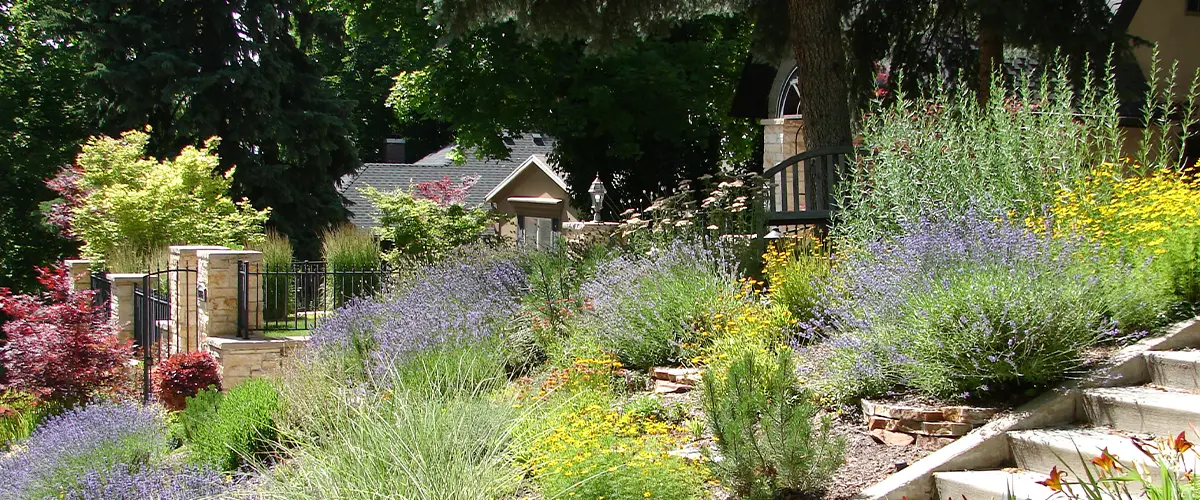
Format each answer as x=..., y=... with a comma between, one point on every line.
x=534, y=161
x=392, y=176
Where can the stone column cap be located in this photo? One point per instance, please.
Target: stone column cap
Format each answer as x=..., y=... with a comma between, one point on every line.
x=72, y=262
x=228, y=253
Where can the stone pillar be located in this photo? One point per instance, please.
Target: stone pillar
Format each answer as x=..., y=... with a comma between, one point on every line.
x=183, y=273
x=80, y=271
x=121, y=301
x=217, y=276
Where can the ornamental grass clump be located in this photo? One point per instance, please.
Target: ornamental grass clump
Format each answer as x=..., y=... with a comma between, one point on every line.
x=352, y=256
x=93, y=438
x=966, y=307
x=455, y=303
x=646, y=307
x=278, y=284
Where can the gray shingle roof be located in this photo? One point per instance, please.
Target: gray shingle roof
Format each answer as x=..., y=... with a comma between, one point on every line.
x=392, y=176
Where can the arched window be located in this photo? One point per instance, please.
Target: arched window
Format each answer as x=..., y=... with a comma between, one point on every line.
x=789, y=96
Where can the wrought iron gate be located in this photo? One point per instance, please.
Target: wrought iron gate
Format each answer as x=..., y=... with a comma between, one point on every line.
x=165, y=319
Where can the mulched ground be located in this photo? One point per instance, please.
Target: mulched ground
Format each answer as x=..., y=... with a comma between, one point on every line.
x=867, y=462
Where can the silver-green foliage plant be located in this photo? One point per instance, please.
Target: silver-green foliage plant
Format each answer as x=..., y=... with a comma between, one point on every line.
x=765, y=426
x=943, y=151
x=132, y=201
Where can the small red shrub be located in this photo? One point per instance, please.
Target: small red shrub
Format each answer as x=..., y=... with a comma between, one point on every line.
x=183, y=375
x=58, y=348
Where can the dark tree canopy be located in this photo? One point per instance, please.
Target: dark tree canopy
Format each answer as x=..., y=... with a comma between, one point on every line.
x=248, y=71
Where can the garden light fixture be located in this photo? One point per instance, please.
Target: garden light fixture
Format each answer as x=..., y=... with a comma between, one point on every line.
x=597, y=191
x=774, y=234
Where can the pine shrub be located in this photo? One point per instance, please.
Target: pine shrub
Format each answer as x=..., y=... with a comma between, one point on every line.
x=763, y=423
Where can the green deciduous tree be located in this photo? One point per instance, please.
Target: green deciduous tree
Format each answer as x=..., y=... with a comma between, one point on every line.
x=138, y=203
x=422, y=229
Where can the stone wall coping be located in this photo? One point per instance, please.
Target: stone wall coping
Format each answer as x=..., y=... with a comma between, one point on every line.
x=235, y=344
x=179, y=249
x=228, y=252
x=80, y=262
x=115, y=277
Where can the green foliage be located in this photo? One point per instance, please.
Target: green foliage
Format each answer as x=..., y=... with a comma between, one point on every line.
x=278, y=285
x=943, y=152
x=421, y=229
x=20, y=413
x=449, y=372
x=349, y=249
x=795, y=270
x=43, y=118
x=763, y=423
x=642, y=117
x=239, y=429
x=139, y=203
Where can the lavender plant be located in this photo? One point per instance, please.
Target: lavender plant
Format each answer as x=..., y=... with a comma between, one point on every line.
x=92, y=438
x=159, y=483
x=965, y=307
x=647, y=307
x=455, y=303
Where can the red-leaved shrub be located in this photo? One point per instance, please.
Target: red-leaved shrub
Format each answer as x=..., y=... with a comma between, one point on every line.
x=58, y=348
x=182, y=375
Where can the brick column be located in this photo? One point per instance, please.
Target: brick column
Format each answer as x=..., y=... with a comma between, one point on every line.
x=218, y=304
x=121, y=302
x=783, y=138
x=80, y=271
x=183, y=275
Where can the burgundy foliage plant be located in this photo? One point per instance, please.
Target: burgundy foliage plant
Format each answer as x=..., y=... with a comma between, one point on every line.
x=58, y=347
x=183, y=375
x=445, y=192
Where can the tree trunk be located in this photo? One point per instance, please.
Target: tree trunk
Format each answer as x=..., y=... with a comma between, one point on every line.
x=816, y=37
x=991, y=51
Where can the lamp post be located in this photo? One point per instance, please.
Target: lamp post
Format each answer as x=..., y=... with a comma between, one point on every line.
x=597, y=191
x=774, y=234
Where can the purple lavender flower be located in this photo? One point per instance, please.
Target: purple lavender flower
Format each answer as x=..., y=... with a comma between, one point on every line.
x=452, y=303
x=645, y=304
x=123, y=481
x=64, y=446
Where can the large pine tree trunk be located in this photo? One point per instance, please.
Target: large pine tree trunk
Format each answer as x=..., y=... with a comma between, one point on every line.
x=824, y=96
x=991, y=50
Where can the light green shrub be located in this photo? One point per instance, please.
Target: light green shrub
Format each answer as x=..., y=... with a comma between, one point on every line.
x=142, y=204
x=421, y=229
x=240, y=429
x=353, y=253
x=763, y=423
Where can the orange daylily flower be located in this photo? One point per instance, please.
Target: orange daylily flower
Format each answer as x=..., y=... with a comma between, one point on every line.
x=1106, y=462
x=1055, y=481
x=1181, y=444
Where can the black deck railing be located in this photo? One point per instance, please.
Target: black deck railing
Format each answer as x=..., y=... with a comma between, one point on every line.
x=791, y=195
x=296, y=297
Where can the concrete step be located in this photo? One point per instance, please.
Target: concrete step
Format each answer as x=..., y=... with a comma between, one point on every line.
x=1179, y=370
x=1144, y=410
x=991, y=485
x=1072, y=449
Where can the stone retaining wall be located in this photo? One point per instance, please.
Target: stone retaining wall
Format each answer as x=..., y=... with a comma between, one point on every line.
x=243, y=359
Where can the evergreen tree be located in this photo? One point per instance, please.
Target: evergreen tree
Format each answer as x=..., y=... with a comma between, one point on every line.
x=244, y=70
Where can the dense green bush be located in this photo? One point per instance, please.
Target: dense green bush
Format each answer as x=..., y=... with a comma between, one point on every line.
x=421, y=229
x=226, y=431
x=763, y=423
x=353, y=253
x=795, y=270
x=278, y=285
x=134, y=202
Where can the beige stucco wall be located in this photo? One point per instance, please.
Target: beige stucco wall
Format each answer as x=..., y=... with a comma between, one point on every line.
x=783, y=138
x=1176, y=32
x=533, y=183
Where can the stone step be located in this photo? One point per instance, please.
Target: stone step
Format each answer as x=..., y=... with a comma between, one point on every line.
x=1144, y=410
x=992, y=485
x=1071, y=449
x=1179, y=370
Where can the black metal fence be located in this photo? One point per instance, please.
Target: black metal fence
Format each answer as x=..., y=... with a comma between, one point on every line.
x=296, y=297
x=102, y=294
x=165, y=319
